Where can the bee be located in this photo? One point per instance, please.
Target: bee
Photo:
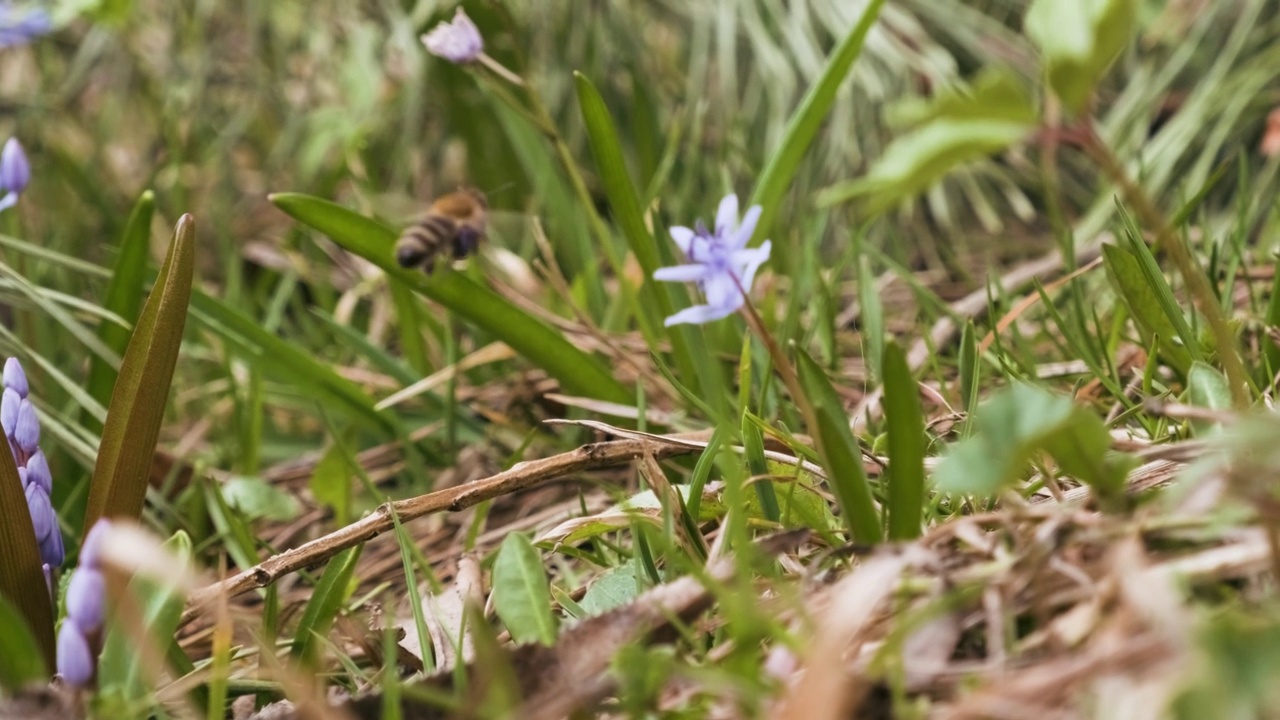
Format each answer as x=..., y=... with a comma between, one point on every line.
x=453, y=225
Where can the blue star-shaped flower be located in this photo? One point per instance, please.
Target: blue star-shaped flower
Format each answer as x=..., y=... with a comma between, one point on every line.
x=720, y=263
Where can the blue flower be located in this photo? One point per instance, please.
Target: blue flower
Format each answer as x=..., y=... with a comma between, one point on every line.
x=22, y=430
x=15, y=172
x=458, y=41
x=19, y=26
x=720, y=263
x=85, y=599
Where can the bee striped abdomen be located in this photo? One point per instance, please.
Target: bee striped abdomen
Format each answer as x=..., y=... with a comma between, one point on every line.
x=452, y=228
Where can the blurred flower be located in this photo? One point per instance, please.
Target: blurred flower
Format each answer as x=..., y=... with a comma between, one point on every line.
x=22, y=430
x=86, y=600
x=458, y=41
x=19, y=26
x=719, y=262
x=15, y=172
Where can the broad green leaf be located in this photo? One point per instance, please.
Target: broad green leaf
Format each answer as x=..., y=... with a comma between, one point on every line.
x=1020, y=421
x=331, y=482
x=141, y=391
x=803, y=126
x=960, y=126
x=1207, y=388
x=1079, y=40
x=841, y=457
x=326, y=600
x=614, y=588
x=521, y=592
x=904, y=421
x=124, y=293
x=120, y=669
x=257, y=499
x=1124, y=270
x=578, y=372
x=21, y=657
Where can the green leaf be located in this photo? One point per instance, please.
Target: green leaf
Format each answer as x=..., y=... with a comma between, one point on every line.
x=1207, y=388
x=326, y=600
x=1141, y=297
x=120, y=669
x=21, y=657
x=578, y=372
x=124, y=294
x=970, y=368
x=803, y=126
x=905, y=422
x=841, y=457
x=960, y=126
x=521, y=592
x=257, y=499
x=1020, y=421
x=1079, y=40
x=405, y=541
x=141, y=391
x=331, y=482
x=613, y=589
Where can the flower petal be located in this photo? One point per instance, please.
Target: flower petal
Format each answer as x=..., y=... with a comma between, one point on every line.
x=86, y=595
x=727, y=215
x=681, y=273
x=75, y=660
x=753, y=259
x=748, y=227
x=683, y=237
x=697, y=315
x=721, y=291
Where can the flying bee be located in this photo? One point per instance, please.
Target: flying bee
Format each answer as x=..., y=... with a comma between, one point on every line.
x=454, y=225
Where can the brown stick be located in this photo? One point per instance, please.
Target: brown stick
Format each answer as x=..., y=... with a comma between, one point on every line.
x=522, y=476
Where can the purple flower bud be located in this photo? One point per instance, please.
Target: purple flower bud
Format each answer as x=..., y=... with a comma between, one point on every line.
x=42, y=517
x=52, y=551
x=75, y=660
x=458, y=41
x=9, y=404
x=37, y=471
x=15, y=377
x=86, y=596
x=27, y=430
x=15, y=173
x=92, y=547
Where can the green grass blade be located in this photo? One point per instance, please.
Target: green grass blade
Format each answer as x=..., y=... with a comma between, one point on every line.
x=326, y=600
x=841, y=457
x=804, y=124
x=141, y=390
x=124, y=293
x=285, y=360
x=578, y=372
x=656, y=301
x=405, y=541
x=905, y=422
x=120, y=667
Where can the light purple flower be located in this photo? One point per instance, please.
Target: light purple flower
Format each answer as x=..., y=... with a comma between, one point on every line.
x=19, y=26
x=720, y=263
x=22, y=431
x=75, y=659
x=15, y=174
x=85, y=599
x=458, y=41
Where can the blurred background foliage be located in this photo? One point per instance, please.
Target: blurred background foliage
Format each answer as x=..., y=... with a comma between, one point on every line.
x=214, y=104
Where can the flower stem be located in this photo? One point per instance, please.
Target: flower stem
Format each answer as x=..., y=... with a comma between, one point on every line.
x=1192, y=274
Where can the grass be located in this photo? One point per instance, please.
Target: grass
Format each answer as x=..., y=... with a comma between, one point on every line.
x=994, y=435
